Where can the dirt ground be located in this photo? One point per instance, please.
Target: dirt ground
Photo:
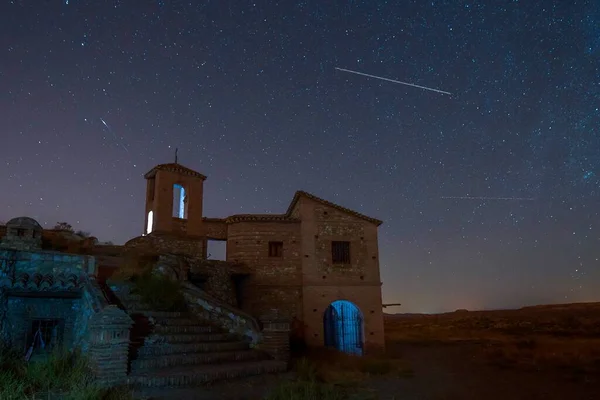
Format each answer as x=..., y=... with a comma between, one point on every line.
x=457, y=372
x=440, y=372
x=545, y=352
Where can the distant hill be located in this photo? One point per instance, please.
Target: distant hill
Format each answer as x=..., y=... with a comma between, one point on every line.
x=538, y=308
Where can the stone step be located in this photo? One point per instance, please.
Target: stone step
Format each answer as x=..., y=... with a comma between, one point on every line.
x=174, y=360
x=160, y=349
x=189, y=337
x=198, y=375
x=174, y=329
x=177, y=321
x=163, y=314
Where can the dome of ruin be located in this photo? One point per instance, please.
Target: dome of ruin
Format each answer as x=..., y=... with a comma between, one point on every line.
x=24, y=223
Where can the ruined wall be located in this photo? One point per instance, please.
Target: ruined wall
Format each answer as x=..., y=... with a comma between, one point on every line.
x=44, y=262
x=22, y=311
x=215, y=228
x=275, y=281
x=161, y=243
x=216, y=279
x=325, y=282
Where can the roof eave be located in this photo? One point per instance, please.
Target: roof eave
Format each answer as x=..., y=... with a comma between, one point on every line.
x=301, y=193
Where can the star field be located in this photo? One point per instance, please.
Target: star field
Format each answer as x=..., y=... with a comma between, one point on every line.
x=95, y=93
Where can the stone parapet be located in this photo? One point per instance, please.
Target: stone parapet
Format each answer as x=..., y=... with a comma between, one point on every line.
x=108, y=345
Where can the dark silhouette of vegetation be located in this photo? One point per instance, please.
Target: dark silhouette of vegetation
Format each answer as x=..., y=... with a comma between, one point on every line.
x=61, y=375
x=63, y=226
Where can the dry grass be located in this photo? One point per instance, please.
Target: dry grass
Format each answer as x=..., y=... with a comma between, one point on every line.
x=559, y=337
x=325, y=374
x=346, y=370
x=61, y=375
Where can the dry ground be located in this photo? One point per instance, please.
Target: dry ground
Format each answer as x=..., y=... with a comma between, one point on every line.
x=546, y=352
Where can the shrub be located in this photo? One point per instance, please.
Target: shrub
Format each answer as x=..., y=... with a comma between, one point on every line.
x=61, y=375
x=160, y=292
x=306, y=390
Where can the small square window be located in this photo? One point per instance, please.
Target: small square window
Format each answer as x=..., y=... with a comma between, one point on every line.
x=275, y=249
x=21, y=232
x=340, y=252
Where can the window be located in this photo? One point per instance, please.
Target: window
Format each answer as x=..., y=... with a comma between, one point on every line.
x=20, y=232
x=150, y=225
x=179, y=202
x=340, y=252
x=44, y=335
x=275, y=249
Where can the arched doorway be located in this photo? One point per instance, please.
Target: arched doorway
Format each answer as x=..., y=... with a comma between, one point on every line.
x=343, y=326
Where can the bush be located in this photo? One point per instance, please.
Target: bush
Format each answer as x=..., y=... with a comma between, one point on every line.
x=61, y=375
x=160, y=292
x=306, y=390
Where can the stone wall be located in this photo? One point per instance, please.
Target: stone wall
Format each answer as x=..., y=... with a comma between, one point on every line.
x=44, y=262
x=21, y=312
x=217, y=277
x=227, y=317
x=163, y=244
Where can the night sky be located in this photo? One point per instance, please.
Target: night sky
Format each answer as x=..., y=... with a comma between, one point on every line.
x=95, y=93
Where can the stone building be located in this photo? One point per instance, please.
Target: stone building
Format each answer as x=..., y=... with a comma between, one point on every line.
x=314, y=268
x=50, y=300
x=317, y=263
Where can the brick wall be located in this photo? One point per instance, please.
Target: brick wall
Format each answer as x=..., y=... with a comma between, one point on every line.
x=275, y=281
x=366, y=298
x=215, y=228
x=159, y=200
x=325, y=282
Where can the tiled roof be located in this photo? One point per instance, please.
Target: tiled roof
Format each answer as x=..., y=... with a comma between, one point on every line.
x=260, y=218
x=174, y=167
x=39, y=282
x=301, y=193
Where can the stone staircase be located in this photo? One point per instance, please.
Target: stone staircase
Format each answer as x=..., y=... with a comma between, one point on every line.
x=174, y=349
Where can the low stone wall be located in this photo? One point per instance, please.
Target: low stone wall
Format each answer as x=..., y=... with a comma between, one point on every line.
x=47, y=262
x=229, y=318
x=276, y=335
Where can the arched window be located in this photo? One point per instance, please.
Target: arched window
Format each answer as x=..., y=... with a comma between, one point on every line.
x=179, y=202
x=150, y=224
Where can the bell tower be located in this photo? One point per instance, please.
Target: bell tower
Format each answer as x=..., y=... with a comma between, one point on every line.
x=174, y=197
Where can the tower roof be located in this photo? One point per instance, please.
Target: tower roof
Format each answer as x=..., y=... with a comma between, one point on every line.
x=176, y=168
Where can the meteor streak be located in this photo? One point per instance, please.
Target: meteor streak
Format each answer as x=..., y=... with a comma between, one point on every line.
x=488, y=198
x=117, y=141
x=393, y=80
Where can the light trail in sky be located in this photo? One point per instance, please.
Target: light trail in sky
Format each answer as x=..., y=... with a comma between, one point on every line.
x=393, y=80
x=488, y=198
x=119, y=143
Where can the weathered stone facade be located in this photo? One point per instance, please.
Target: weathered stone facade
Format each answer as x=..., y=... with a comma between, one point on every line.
x=288, y=258
x=280, y=267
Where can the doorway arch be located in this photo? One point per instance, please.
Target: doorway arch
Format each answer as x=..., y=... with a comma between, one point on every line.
x=343, y=327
